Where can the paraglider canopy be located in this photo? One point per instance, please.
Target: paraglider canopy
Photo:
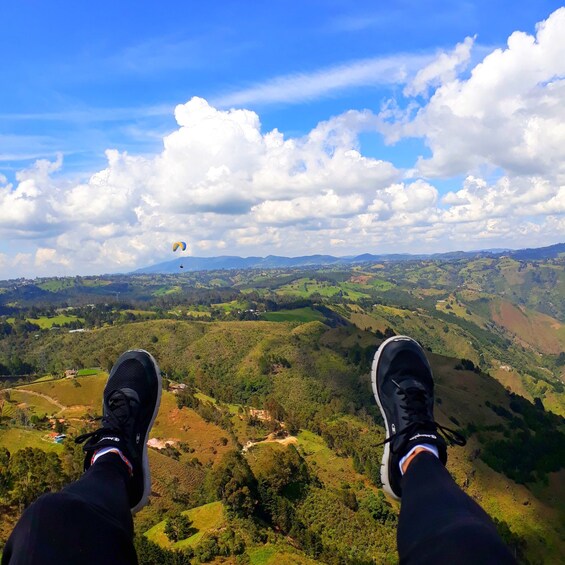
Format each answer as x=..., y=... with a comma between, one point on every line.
x=179, y=244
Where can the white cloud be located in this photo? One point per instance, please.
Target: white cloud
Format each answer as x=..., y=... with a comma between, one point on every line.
x=46, y=255
x=442, y=69
x=508, y=114
x=519, y=197
x=305, y=208
x=300, y=87
x=210, y=244
x=221, y=183
x=88, y=115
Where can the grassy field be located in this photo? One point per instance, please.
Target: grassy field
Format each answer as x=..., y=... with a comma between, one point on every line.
x=296, y=315
x=36, y=404
x=164, y=290
x=45, y=323
x=85, y=392
x=543, y=332
x=163, y=470
x=232, y=306
x=269, y=554
x=45, y=379
x=95, y=282
x=88, y=372
x=55, y=285
x=137, y=312
x=207, y=518
x=14, y=439
x=332, y=470
x=210, y=518
x=198, y=313
x=306, y=287
x=185, y=425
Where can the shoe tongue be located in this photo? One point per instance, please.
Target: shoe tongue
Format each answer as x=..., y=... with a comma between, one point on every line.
x=122, y=394
x=122, y=401
x=409, y=383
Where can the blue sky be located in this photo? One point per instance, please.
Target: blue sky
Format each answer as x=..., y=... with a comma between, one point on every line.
x=79, y=79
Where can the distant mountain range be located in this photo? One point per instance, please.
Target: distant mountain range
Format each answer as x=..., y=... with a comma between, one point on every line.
x=276, y=262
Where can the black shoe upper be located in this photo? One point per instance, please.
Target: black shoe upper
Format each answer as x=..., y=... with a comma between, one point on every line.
x=130, y=403
x=404, y=387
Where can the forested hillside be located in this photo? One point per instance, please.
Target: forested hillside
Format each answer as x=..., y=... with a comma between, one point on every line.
x=266, y=448
x=309, y=383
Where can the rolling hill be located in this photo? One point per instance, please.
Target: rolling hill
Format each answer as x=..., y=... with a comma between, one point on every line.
x=190, y=263
x=311, y=379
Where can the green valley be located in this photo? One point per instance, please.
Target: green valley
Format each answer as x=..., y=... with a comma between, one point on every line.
x=267, y=445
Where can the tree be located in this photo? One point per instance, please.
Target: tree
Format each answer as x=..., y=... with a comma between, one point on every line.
x=34, y=473
x=288, y=467
x=178, y=527
x=235, y=484
x=274, y=408
x=5, y=478
x=72, y=459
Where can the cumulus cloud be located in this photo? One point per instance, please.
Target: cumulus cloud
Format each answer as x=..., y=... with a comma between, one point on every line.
x=217, y=173
x=508, y=114
x=46, y=255
x=222, y=183
x=299, y=209
x=442, y=69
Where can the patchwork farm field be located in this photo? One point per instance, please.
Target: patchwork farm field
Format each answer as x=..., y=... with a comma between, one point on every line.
x=268, y=440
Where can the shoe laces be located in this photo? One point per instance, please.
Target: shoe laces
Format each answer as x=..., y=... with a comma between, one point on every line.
x=415, y=404
x=114, y=420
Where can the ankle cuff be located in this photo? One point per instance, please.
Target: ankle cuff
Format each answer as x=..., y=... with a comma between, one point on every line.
x=105, y=450
x=427, y=446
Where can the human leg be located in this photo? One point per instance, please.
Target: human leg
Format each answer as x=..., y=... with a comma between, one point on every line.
x=90, y=520
x=438, y=522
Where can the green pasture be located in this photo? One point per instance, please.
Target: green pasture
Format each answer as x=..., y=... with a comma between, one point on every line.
x=204, y=519
x=305, y=287
x=296, y=315
x=36, y=404
x=95, y=282
x=198, y=313
x=231, y=306
x=269, y=554
x=140, y=312
x=45, y=378
x=14, y=439
x=45, y=323
x=56, y=285
x=86, y=391
x=165, y=290
x=88, y=372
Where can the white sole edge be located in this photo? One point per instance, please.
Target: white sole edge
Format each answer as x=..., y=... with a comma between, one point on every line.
x=386, y=455
x=145, y=458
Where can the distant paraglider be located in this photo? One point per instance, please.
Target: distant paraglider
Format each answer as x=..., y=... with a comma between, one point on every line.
x=179, y=245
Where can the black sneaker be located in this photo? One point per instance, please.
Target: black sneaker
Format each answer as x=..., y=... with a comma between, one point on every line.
x=131, y=401
x=404, y=390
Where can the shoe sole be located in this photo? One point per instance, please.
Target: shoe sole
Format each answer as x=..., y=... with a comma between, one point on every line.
x=145, y=458
x=386, y=455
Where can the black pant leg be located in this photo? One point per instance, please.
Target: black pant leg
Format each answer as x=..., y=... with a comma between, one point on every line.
x=439, y=523
x=88, y=523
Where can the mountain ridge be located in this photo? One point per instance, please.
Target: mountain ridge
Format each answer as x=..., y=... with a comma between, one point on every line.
x=228, y=262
